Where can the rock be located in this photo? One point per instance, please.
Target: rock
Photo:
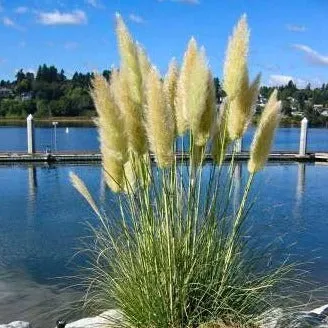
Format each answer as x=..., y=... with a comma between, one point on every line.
x=104, y=320
x=278, y=318
x=17, y=324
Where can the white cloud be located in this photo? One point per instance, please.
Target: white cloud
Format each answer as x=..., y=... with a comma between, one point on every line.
x=94, y=3
x=190, y=2
x=311, y=55
x=71, y=45
x=136, y=19
x=296, y=28
x=278, y=79
x=10, y=23
x=77, y=17
x=21, y=10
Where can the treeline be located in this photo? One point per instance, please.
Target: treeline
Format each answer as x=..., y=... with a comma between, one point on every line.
x=50, y=93
x=47, y=93
x=310, y=102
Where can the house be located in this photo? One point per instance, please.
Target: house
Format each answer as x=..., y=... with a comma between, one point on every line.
x=297, y=114
x=324, y=112
x=261, y=100
x=318, y=108
x=26, y=96
x=5, y=92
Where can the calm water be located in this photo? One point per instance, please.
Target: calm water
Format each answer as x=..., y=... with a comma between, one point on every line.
x=82, y=138
x=42, y=219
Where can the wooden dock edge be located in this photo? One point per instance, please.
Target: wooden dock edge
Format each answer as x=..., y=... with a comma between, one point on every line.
x=96, y=157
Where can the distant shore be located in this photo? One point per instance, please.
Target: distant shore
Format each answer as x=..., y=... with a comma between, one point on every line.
x=87, y=121
x=47, y=121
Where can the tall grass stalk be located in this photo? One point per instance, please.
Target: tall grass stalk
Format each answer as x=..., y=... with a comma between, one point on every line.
x=174, y=255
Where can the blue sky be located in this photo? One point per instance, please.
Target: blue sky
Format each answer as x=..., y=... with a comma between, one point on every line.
x=289, y=38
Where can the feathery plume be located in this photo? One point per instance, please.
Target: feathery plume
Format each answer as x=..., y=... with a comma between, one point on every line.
x=241, y=108
x=83, y=190
x=144, y=64
x=133, y=123
x=132, y=94
x=220, y=136
x=111, y=130
x=183, y=86
x=207, y=119
x=160, y=121
x=236, y=59
x=170, y=87
x=129, y=60
x=197, y=91
x=264, y=134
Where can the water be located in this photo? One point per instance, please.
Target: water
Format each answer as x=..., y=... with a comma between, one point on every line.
x=42, y=218
x=86, y=139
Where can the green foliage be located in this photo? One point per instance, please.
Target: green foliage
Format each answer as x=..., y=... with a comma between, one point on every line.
x=176, y=255
x=47, y=94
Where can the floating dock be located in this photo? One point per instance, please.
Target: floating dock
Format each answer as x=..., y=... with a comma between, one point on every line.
x=80, y=157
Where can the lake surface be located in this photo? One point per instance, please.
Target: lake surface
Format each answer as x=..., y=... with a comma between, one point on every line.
x=82, y=138
x=42, y=219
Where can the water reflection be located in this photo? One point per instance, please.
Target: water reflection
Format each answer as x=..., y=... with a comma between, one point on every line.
x=32, y=184
x=300, y=187
x=42, y=217
x=300, y=190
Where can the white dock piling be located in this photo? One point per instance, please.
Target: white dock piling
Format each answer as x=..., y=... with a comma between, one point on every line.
x=30, y=134
x=303, y=137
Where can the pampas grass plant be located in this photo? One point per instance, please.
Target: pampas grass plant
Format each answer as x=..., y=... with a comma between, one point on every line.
x=175, y=256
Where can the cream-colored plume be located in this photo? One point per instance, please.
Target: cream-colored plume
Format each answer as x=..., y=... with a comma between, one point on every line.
x=183, y=86
x=111, y=130
x=208, y=117
x=160, y=121
x=170, y=87
x=144, y=63
x=264, y=134
x=236, y=59
x=129, y=60
x=220, y=136
x=241, y=108
x=132, y=93
x=133, y=122
x=83, y=190
x=197, y=91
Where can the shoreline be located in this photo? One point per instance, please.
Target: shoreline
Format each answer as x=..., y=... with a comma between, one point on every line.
x=67, y=121
x=86, y=121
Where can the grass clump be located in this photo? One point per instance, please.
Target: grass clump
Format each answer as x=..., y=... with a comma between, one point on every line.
x=175, y=256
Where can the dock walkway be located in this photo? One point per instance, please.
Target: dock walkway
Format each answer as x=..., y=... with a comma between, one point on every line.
x=76, y=157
